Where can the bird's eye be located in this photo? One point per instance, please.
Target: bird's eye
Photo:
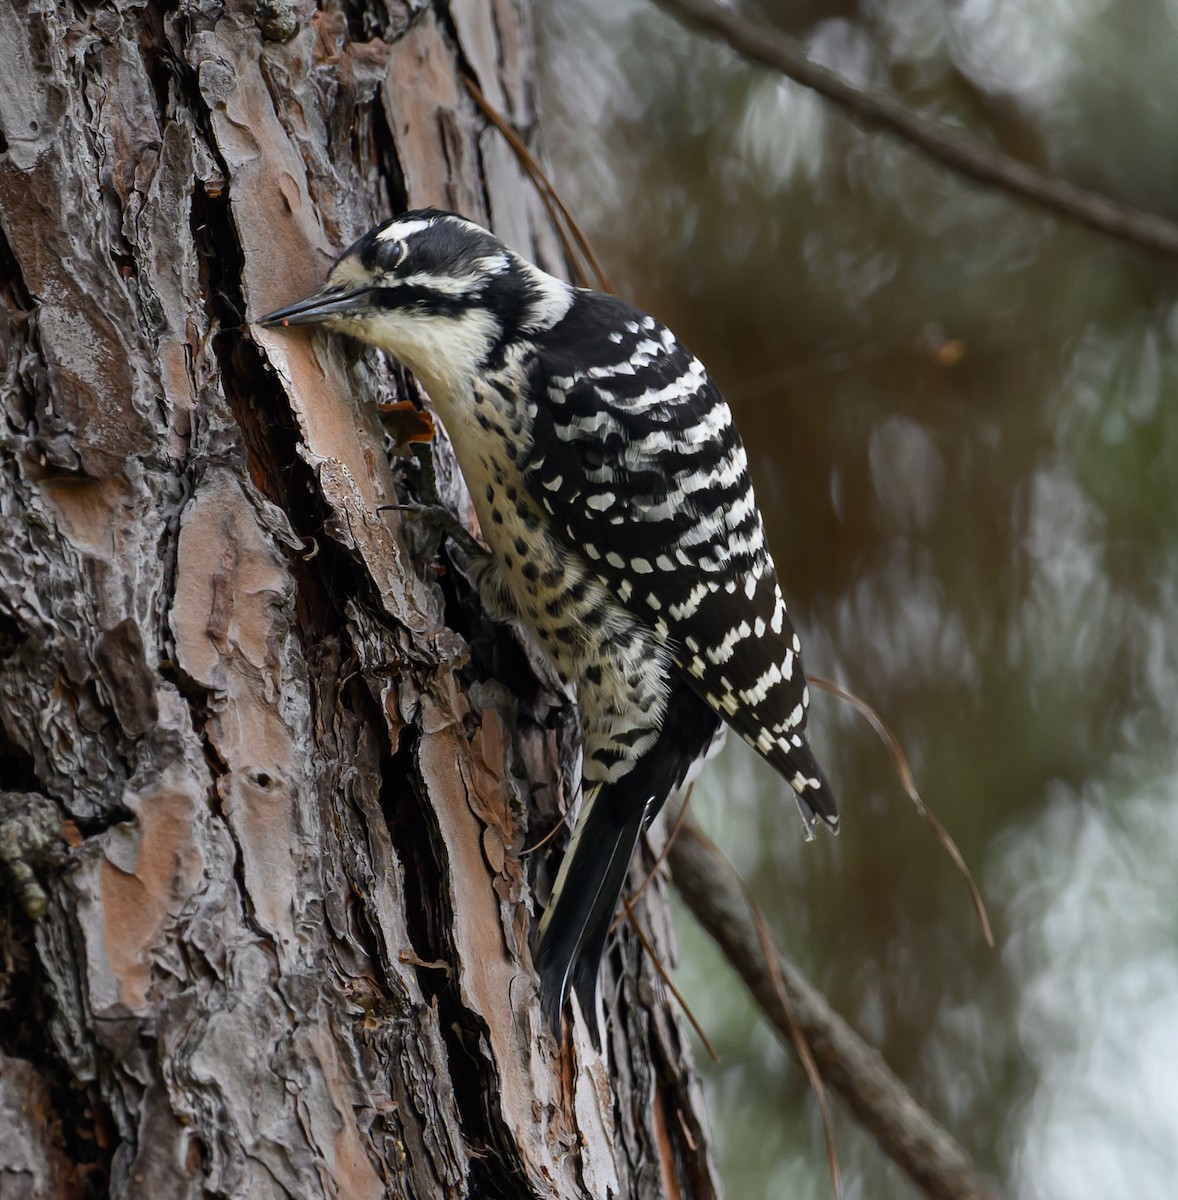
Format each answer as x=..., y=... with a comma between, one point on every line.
x=393, y=254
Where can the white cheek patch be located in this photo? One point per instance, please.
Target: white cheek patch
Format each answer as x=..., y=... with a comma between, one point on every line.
x=443, y=352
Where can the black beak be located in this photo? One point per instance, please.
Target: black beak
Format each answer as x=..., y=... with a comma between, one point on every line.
x=312, y=310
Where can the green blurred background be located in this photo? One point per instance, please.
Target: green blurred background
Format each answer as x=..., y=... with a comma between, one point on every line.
x=961, y=419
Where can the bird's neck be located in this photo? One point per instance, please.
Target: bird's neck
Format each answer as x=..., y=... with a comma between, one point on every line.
x=445, y=352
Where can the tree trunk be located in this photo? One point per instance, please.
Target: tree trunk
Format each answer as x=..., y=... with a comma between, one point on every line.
x=267, y=771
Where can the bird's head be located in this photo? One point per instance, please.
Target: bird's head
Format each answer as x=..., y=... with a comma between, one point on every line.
x=436, y=291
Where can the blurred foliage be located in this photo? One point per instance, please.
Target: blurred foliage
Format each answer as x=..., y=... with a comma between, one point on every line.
x=961, y=419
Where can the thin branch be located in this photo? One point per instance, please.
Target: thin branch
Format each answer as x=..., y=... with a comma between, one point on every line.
x=712, y=889
x=874, y=108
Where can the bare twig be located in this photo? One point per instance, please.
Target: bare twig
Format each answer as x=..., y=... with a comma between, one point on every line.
x=712, y=889
x=873, y=108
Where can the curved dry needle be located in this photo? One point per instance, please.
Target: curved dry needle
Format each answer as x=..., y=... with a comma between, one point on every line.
x=908, y=783
x=662, y=857
x=564, y=816
x=648, y=946
x=548, y=193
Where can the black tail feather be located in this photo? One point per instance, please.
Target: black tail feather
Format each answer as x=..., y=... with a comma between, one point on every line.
x=576, y=925
x=584, y=900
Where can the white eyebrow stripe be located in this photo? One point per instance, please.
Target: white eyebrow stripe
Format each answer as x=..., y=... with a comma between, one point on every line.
x=402, y=229
x=446, y=285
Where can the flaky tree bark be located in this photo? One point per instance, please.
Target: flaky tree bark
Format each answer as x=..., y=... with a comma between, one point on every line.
x=266, y=773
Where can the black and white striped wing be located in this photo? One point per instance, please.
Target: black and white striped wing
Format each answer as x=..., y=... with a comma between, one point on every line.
x=638, y=463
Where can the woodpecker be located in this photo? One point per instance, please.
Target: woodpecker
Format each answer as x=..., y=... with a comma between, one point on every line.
x=613, y=492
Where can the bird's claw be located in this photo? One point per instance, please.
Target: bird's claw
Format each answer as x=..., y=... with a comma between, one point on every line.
x=439, y=521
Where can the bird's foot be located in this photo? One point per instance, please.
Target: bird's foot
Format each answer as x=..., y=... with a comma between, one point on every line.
x=437, y=523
